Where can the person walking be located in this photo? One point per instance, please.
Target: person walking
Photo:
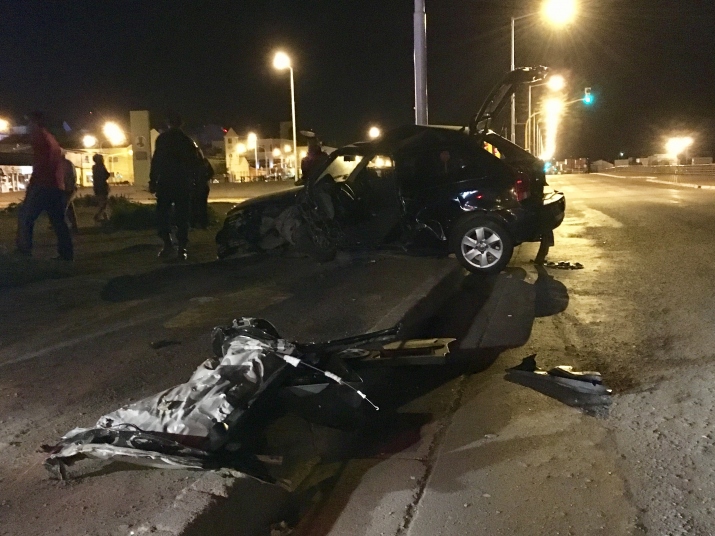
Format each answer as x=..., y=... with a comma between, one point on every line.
x=100, y=176
x=200, y=195
x=174, y=169
x=70, y=182
x=45, y=192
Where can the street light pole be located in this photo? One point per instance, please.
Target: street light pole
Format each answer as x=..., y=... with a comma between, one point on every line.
x=513, y=66
x=292, y=102
x=420, y=58
x=282, y=61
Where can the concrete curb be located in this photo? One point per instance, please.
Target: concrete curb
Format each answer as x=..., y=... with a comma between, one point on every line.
x=212, y=504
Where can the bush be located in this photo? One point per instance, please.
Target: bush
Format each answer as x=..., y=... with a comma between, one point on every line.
x=11, y=209
x=128, y=215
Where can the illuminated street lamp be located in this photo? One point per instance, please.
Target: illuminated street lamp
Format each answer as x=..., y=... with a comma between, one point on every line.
x=558, y=13
x=287, y=149
x=374, y=132
x=114, y=133
x=676, y=146
x=89, y=141
x=4, y=125
x=241, y=148
x=281, y=61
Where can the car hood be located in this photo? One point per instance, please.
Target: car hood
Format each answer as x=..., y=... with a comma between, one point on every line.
x=281, y=197
x=501, y=94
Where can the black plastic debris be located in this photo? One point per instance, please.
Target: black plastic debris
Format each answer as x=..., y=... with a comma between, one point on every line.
x=163, y=343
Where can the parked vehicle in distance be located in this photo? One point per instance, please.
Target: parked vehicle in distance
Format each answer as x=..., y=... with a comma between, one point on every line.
x=466, y=191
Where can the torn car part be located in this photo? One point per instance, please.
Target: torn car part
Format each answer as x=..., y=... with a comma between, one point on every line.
x=589, y=383
x=188, y=426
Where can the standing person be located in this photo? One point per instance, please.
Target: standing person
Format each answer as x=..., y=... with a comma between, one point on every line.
x=174, y=168
x=100, y=176
x=315, y=157
x=45, y=193
x=70, y=181
x=200, y=195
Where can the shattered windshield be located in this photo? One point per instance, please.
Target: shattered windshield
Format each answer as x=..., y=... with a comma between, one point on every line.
x=341, y=166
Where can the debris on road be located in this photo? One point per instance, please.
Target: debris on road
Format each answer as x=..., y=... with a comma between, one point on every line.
x=163, y=343
x=560, y=265
x=198, y=424
x=562, y=382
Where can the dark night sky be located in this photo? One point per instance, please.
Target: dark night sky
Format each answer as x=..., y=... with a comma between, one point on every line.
x=651, y=64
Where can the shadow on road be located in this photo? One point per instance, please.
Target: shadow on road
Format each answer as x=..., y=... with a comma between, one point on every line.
x=487, y=316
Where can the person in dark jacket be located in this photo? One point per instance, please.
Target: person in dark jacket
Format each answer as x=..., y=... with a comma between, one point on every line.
x=45, y=193
x=315, y=157
x=174, y=168
x=200, y=195
x=100, y=176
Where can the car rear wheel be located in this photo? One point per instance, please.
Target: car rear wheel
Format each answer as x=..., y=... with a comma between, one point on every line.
x=481, y=245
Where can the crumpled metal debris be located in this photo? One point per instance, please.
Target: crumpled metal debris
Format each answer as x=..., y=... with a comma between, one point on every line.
x=587, y=383
x=188, y=425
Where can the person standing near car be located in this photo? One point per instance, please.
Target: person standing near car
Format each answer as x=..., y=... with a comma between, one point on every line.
x=100, y=176
x=70, y=181
x=315, y=157
x=200, y=195
x=174, y=169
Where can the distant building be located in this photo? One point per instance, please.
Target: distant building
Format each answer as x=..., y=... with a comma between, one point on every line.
x=268, y=159
x=600, y=165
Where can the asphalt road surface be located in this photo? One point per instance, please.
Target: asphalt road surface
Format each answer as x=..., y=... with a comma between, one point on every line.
x=455, y=449
x=496, y=457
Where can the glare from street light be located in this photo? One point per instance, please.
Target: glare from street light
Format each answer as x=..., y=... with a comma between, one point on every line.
x=287, y=149
x=240, y=148
x=4, y=125
x=559, y=12
x=114, y=133
x=553, y=109
x=89, y=141
x=281, y=61
x=676, y=146
x=252, y=140
x=276, y=152
x=303, y=154
x=556, y=82
x=374, y=132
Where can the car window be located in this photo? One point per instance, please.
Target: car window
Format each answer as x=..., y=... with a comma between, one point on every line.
x=341, y=167
x=439, y=165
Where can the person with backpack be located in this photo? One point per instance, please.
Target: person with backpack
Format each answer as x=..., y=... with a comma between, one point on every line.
x=174, y=169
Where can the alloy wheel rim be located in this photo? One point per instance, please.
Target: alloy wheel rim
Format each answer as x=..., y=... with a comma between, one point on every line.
x=482, y=247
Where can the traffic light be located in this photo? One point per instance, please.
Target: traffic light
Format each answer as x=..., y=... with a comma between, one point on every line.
x=587, y=96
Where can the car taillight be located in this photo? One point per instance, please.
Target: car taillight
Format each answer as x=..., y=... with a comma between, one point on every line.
x=521, y=186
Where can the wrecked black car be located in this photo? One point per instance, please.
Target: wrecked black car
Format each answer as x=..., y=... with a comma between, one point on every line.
x=466, y=191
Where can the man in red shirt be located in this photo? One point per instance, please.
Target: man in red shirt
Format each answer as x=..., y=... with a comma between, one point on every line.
x=45, y=193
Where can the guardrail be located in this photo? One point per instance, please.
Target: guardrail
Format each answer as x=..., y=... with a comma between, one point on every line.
x=701, y=169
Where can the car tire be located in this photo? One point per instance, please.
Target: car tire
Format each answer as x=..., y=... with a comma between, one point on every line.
x=224, y=252
x=481, y=245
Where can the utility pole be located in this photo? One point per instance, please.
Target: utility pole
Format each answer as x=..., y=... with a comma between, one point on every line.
x=420, y=28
